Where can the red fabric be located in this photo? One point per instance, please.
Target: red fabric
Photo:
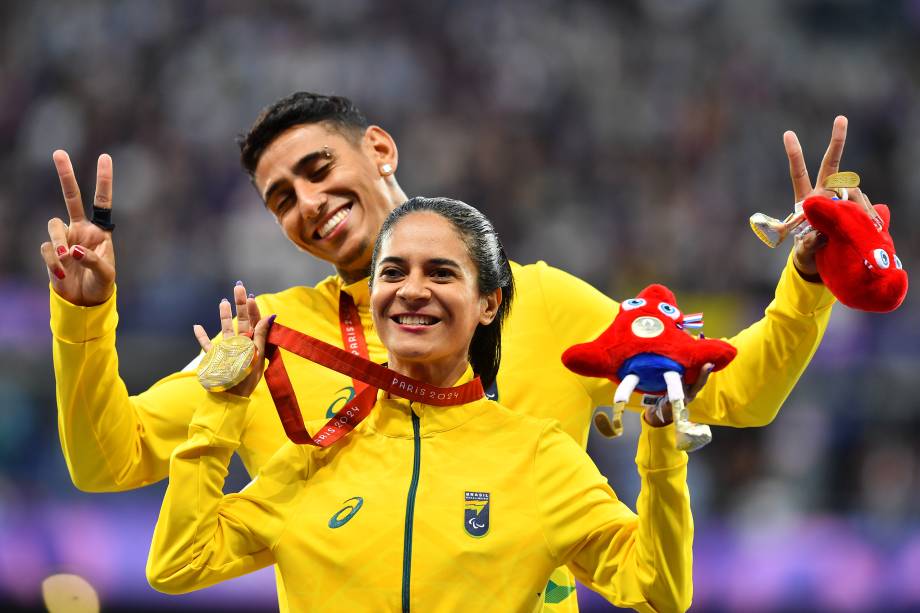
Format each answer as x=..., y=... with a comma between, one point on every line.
x=604, y=356
x=373, y=375
x=352, y=333
x=844, y=263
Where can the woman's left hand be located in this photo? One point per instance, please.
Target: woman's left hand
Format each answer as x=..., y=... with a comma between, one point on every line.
x=249, y=323
x=651, y=414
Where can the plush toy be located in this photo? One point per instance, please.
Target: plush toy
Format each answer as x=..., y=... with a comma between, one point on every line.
x=858, y=264
x=648, y=348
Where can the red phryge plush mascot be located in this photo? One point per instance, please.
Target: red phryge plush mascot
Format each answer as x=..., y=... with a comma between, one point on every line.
x=647, y=348
x=858, y=264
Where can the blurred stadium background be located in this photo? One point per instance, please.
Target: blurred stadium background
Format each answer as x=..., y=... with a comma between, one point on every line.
x=626, y=142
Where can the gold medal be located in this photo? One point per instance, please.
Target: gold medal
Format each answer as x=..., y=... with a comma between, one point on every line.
x=228, y=362
x=837, y=180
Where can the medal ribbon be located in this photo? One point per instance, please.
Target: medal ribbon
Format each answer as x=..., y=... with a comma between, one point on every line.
x=352, y=333
x=354, y=365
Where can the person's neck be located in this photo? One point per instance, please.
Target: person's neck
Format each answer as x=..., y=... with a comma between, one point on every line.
x=353, y=275
x=396, y=196
x=443, y=373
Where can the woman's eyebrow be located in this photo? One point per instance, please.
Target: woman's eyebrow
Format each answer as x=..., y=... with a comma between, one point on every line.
x=443, y=262
x=393, y=259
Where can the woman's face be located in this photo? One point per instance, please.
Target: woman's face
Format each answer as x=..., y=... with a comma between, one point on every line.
x=425, y=298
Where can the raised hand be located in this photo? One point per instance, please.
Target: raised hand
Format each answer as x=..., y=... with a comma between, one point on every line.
x=655, y=418
x=249, y=323
x=80, y=256
x=808, y=244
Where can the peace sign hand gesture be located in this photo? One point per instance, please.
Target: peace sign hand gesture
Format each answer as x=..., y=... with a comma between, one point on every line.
x=802, y=187
x=80, y=256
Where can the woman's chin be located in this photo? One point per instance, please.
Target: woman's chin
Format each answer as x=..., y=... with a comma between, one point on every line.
x=409, y=355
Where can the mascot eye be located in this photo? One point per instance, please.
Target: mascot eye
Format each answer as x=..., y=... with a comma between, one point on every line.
x=897, y=263
x=669, y=310
x=632, y=303
x=881, y=258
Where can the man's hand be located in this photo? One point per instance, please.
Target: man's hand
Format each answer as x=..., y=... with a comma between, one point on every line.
x=807, y=245
x=80, y=256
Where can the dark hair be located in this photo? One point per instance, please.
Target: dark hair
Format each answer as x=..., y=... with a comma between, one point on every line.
x=295, y=109
x=486, y=251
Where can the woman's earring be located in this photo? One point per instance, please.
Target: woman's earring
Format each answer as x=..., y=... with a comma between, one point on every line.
x=386, y=170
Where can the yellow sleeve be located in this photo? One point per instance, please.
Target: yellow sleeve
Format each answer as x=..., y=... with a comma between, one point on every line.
x=577, y=313
x=112, y=441
x=644, y=561
x=772, y=355
x=203, y=537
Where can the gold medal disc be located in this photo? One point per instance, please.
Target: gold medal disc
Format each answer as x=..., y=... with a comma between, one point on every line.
x=846, y=179
x=227, y=363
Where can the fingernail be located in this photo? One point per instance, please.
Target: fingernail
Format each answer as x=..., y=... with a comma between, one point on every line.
x=239, y=282
x=224, y=300
x=61, y=250
x=78, y=252
x=59, y=273
x=252, y=295
x=271, y=320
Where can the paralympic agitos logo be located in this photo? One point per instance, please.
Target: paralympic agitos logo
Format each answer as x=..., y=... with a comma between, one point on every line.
x=476, y=513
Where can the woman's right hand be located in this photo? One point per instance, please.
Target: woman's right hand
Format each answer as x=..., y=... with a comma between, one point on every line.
x=249, y=323
x=80, y=256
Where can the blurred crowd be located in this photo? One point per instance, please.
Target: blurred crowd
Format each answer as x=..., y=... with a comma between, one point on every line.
x=626, y=142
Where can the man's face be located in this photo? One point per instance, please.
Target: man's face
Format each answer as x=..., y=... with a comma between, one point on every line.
x=326, y=192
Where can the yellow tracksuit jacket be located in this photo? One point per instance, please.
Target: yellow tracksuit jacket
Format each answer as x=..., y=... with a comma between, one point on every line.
x=114, y=441
x=422, y=508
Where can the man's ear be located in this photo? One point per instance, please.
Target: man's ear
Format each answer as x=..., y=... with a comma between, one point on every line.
x=381, y=147
x=489, y=306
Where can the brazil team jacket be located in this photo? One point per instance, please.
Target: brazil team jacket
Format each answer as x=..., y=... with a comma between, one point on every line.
x=422, y=508
x=115, y=441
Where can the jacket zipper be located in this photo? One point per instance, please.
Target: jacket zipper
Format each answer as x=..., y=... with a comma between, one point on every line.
x=410, y=512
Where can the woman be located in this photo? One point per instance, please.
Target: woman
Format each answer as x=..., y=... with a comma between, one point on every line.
x=463, y=507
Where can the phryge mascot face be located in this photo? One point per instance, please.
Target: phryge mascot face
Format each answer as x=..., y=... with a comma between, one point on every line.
x=858, y=264
x=647, y=348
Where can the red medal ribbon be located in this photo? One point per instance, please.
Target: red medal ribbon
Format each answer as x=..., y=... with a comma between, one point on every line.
x=352, y=333
x=351, y=364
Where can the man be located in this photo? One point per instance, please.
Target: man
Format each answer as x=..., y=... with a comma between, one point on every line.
x=329, y=180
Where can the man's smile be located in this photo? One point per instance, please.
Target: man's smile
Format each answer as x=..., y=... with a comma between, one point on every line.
x=333, y=223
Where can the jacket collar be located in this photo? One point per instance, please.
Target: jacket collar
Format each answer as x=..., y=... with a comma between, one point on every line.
x=392, y=416
x=359, y=291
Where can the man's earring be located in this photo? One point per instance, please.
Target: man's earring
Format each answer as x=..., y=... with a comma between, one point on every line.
x=386, y=169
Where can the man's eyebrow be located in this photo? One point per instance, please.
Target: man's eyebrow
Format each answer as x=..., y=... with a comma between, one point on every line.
x=299, y=167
